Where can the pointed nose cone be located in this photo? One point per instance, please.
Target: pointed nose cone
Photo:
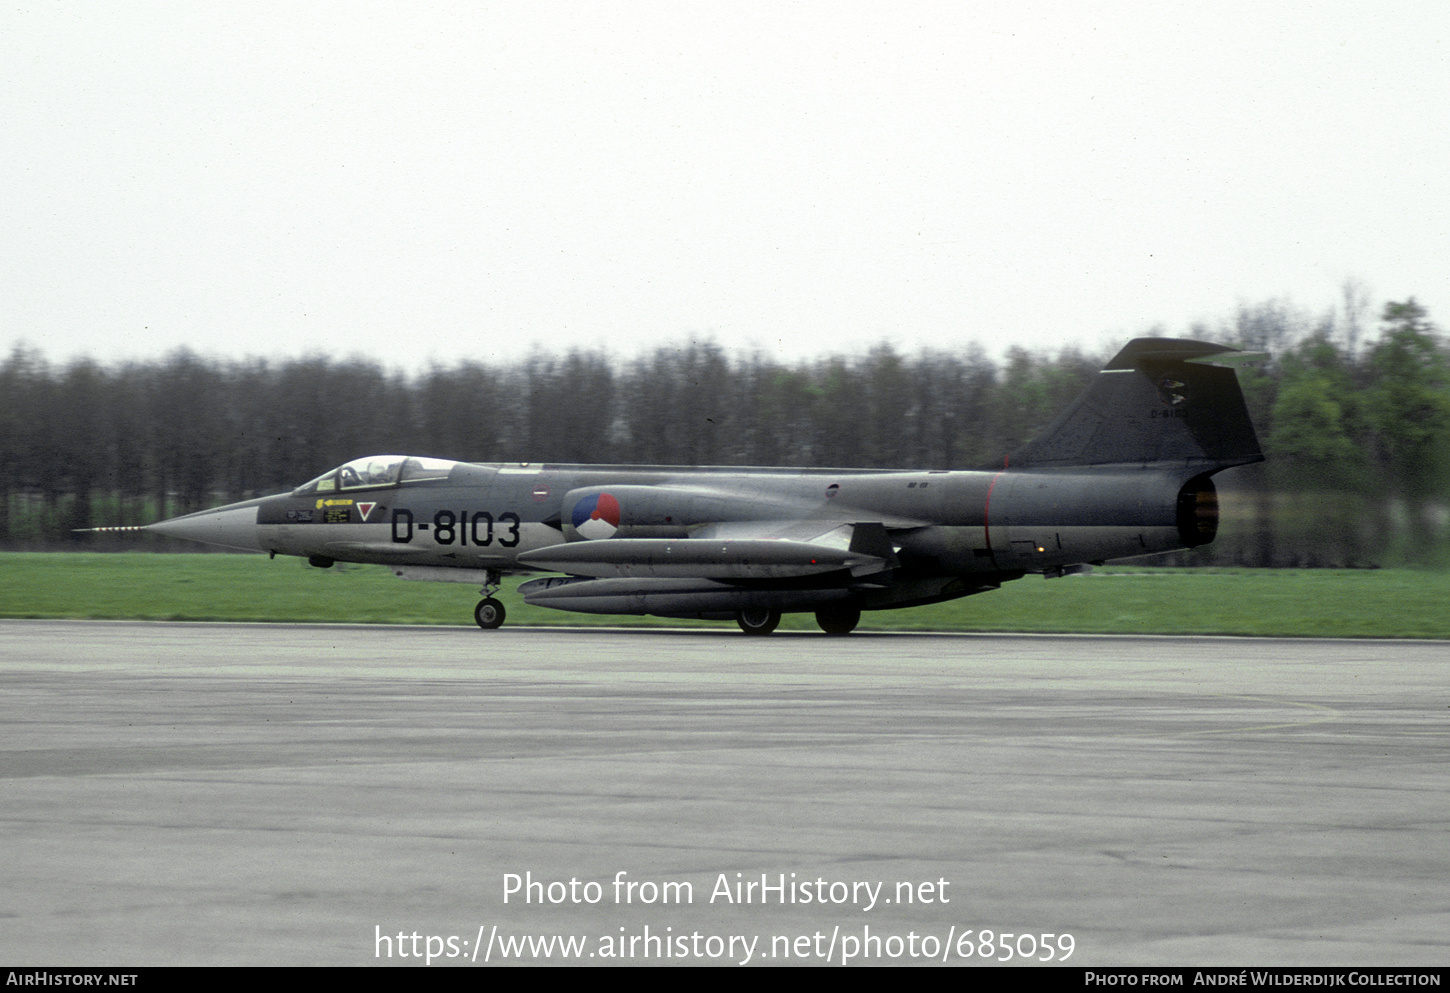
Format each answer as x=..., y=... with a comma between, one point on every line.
x=229, y=527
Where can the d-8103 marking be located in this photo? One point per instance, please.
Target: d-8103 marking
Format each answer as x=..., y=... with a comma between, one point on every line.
x=461, y=528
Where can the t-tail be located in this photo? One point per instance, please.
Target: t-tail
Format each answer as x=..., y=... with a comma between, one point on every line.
x=1160, y=403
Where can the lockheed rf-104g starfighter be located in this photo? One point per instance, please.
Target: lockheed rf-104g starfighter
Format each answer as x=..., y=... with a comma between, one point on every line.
x=1126, y=470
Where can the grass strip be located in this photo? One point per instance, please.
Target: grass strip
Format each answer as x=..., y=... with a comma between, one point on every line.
x=1388, y=603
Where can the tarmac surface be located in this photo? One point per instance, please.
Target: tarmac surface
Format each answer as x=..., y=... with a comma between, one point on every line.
x=304, y=795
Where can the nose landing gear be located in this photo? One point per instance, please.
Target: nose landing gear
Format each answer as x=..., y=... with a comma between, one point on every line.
x=490, y=613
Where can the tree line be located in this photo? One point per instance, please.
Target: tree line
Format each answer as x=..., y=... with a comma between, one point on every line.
x=1356, y=427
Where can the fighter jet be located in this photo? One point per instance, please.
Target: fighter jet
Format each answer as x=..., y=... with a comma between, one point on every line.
x=1125, y=471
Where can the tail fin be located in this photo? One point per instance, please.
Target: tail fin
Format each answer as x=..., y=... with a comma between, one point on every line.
x=1160, y=401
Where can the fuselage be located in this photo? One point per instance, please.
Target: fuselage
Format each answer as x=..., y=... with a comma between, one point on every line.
x=1124, y=471
x=472, y=516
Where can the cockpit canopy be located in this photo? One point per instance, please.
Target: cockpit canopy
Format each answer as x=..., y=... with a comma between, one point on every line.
x=376, y=472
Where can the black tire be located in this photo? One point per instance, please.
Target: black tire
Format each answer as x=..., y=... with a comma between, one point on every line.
x=489, y=614
x=838, y=621
x=758, y=622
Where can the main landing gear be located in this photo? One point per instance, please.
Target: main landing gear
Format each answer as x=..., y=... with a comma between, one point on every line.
x=490, y=613
x=759, y=622
x=838, y=621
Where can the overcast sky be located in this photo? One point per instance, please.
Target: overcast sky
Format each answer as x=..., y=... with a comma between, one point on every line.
x=423, y=182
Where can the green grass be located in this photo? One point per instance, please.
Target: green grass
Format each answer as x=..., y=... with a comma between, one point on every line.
x=1323, y=603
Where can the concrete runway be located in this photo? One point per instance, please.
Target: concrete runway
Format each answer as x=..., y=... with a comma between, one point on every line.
x=256, y=794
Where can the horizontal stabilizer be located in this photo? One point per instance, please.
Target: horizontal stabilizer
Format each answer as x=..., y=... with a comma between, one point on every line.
x=748, y=558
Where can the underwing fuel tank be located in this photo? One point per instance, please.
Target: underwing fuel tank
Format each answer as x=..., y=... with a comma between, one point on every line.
x=701, y=558
x=670, y=597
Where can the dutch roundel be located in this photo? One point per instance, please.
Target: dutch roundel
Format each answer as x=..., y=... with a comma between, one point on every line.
x=596, y=516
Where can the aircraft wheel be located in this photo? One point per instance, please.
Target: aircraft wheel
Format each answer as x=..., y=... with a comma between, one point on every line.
x=489, y=614
x=757, y=621
x=839, y=621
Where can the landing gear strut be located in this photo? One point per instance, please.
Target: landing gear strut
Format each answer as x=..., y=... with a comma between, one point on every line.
x=759, y=622
x=490, y=613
